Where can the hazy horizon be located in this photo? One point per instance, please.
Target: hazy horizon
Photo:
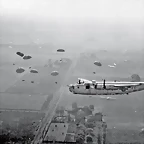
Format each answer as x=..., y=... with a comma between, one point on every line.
x=113, y=24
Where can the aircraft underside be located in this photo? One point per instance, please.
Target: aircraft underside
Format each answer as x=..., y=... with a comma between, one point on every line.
x=102, y=92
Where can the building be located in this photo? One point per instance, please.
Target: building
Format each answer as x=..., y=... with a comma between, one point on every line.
x=57, y=132
x=77, y=128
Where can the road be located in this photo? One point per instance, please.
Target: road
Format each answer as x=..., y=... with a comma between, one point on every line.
x=19, y=110
x=42, y=132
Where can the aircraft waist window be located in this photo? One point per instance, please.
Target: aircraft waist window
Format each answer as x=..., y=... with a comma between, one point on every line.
x=95, y=86
x=87, y=86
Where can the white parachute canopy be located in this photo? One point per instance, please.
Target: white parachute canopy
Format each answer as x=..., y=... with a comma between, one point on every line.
x=33, y=71
x=20, y=70
x=97, y=63
x=10, y=46
x=27, y=57
x=54, y=73
x=111, y=66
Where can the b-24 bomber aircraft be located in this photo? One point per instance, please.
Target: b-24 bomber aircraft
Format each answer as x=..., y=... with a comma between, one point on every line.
x=87, y=87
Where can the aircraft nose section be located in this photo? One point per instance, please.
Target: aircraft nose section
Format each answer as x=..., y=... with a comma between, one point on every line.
x=71, y=88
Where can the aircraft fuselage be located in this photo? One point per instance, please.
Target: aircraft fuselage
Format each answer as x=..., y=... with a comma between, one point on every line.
x=106, y=88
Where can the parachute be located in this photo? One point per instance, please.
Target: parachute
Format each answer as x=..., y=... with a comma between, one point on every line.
x=111, y=66
x=60, y=50
x=33, y=71
x=135, y=78
x=20, y=54
x=27, y=57
x=54, y=73
x=10, y=46
x=97, y=63
x=114, y=64
x=20, y=70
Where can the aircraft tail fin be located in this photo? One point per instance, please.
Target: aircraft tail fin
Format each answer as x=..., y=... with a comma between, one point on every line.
x=135, y=78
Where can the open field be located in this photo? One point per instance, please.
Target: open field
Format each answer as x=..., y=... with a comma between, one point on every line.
x=15, y=93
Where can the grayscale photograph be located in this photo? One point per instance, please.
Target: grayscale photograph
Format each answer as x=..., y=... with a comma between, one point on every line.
x=72, y=71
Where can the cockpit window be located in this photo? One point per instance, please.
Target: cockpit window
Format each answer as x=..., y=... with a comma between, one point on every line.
x=80, y=81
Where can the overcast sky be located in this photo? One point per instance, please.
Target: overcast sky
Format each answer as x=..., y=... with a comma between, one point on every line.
x=124, y=30
x=114, y=9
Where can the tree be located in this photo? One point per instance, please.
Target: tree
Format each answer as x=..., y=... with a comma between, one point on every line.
x=89, y=139
x=74, y=105
x=80, y=138
x=91, y=107
x=99, y=139
x=90, y=125
x=23, y=133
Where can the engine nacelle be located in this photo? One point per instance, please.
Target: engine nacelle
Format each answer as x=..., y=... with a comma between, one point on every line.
x=93, y=81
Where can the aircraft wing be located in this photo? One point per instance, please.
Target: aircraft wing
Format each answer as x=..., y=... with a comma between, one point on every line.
x=107, y=98
x=125, y=85
x=112, y=98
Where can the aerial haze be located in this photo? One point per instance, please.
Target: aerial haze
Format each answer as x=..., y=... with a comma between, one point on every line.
x=108, y=31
